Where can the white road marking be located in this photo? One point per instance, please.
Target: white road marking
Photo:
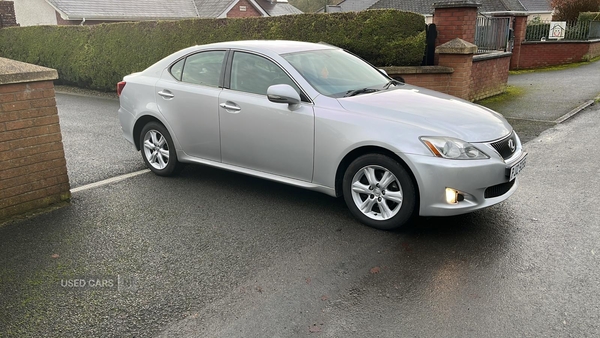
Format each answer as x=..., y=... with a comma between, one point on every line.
x=109, y=181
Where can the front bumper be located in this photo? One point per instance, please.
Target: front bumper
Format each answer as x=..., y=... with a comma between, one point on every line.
x=471, y=178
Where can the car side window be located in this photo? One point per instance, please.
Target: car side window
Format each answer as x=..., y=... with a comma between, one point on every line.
x=177, y=69
x=254, y=74
x=202, y=68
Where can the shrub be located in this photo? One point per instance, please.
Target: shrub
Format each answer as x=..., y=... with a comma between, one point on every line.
x=98, y=56
x=568, y=10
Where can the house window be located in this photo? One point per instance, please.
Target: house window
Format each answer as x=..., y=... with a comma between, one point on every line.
x=242, y=8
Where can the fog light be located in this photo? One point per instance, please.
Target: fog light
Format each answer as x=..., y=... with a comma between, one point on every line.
x=451, y=196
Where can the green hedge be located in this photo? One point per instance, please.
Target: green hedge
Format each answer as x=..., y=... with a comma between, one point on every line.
x=97, y=57
x=589, y=16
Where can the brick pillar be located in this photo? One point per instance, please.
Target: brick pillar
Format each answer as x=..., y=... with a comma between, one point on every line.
x=458, y=54
x=33, y=170
x=7, y=14
x=455, y=19
x=519, y=30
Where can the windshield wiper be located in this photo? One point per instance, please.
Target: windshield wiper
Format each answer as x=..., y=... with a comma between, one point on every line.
x=392, y=82
x=360, y=91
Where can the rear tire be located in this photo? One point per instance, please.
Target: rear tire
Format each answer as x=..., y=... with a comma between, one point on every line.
x=158, y=150
x=379, y=192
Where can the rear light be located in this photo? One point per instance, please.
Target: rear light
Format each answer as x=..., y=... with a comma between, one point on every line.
x=120, y=87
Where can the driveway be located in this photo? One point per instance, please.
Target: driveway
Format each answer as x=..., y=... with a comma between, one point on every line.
x=216, y=254
x=94, y=146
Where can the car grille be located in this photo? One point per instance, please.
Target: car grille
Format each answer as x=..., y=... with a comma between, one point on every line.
x=503, y=147
x=498, y=190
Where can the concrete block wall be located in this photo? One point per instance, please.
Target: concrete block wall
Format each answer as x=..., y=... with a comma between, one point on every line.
x=33, y=172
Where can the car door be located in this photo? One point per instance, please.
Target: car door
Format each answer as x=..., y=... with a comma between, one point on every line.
x=259, y=134
x=187, y=95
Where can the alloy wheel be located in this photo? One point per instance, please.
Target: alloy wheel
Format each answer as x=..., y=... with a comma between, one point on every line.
x=376, y=192
x=156, y=149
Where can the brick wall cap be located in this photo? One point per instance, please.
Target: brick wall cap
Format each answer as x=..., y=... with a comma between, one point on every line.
x=396, y=70
x=558, y=42
x=457, y=4
x=507, y=13
x=456, y=46
x=490, y=56
x=12, y=71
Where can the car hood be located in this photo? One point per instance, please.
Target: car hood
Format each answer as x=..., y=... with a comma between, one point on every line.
x=436, y=113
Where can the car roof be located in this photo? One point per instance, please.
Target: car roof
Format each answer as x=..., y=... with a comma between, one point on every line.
x=274, y=46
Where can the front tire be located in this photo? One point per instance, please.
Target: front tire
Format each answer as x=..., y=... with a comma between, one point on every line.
x=379, y=192
x=158, y=150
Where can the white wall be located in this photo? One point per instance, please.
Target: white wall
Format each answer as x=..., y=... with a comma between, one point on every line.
x=34, y=12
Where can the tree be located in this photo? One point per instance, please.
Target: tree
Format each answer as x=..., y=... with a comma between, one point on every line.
x=568, y=10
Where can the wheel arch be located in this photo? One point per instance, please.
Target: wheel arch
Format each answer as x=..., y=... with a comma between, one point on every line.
x=139, y=125
x=364, y=150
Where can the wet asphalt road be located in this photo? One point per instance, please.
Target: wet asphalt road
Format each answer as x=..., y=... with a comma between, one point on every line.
x=94, y=146
x=217, y=254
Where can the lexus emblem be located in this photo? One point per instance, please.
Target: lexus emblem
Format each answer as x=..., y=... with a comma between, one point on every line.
x=511, y=145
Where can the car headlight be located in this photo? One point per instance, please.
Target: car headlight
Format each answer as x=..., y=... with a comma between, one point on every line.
x=453, y=148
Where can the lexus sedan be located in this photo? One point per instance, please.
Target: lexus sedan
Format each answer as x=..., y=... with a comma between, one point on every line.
x=320, y=118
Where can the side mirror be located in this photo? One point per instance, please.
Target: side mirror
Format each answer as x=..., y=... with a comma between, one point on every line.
x=283, y=93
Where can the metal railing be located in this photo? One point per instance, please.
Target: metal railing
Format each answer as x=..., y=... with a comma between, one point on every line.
x=594, y=30
x=574, y=31
x=492, y=34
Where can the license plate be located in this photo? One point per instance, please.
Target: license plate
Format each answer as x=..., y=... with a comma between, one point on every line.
x=516, y=168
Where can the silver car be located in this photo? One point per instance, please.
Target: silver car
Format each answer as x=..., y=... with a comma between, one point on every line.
x=318, y=117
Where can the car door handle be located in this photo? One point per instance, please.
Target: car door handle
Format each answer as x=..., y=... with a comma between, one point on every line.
x=230, y=106
x=166, y=94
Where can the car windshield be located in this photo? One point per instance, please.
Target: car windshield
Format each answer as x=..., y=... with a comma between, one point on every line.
x=335, y=73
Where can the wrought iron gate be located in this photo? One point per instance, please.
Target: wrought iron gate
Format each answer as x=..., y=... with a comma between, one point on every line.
x=493, y=34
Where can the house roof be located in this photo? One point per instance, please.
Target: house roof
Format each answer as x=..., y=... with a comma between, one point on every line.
x=213, y=8
x=426, y=6
x=355, y=5
x=161, y=9
x=417, y=6
x=512, y=5
x=537, y=5
x=277, y=8
x=123, y=9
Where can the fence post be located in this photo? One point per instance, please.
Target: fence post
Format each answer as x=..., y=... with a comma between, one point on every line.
x=33, y=171
x=7, y=14
x=458, y=54
x=519, y=30
x=455, y=19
